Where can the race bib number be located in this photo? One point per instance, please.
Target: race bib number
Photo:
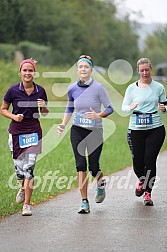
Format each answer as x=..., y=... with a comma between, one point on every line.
x=27, y=140
x=143, y=120
x=84, y=122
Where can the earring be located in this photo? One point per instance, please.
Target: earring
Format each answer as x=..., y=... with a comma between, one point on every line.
x=19, y=74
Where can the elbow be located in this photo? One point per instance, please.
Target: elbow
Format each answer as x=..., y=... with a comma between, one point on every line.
x=44, y=114
x=2, y=110
x=44, y=111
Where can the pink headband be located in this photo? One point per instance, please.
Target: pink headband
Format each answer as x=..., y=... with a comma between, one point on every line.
x=32, y=62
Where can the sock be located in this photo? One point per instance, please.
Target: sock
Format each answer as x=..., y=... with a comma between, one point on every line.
x=85, y=200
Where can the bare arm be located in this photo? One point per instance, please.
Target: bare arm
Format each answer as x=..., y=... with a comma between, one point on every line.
x=43, y=107
x=62, y=126
x=5, y=112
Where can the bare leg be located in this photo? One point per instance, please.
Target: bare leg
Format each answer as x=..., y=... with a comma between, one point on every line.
x=83, y=184
x=21, y=184
x=28, y=186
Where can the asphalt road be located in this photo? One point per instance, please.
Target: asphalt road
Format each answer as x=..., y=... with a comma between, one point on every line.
x=120, y=223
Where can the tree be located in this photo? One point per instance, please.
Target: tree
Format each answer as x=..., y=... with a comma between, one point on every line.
x=70, y=28
x=156, y=46
x=12, y=23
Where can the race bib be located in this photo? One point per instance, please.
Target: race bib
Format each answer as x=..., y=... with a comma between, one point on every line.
x=143, y=120
x=84, y=122
x=27, y=140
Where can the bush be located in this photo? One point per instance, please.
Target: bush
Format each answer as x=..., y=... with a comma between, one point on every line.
x=38, y=52
x=7, y=52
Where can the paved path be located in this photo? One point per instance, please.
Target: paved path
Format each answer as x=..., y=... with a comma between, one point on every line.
x=120, y=223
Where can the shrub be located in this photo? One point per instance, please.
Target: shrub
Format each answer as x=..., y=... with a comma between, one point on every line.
x=38, y=52
x=7, y=52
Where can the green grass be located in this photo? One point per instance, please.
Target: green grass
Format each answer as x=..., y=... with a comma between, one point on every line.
x=58, y=152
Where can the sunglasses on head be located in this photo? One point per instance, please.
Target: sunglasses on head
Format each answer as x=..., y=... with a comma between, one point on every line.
x=86, y=56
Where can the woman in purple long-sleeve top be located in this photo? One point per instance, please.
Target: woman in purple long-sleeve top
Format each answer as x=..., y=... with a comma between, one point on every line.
x=86, y=97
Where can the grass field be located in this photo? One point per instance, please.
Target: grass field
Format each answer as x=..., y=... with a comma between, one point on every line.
x=55, y=169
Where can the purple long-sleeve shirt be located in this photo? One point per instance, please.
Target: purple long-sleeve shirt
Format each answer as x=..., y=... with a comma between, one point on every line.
x=83, y=98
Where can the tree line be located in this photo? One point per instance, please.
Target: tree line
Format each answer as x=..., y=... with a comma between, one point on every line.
x=70, y=28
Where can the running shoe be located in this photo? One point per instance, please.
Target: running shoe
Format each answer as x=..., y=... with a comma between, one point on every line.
x=147, y=199
x=26, y=210
x=85, y=208
x=139, y=189
x=20, y=196
x=101, y=194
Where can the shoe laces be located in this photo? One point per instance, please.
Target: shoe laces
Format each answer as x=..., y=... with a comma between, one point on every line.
x=26, y=207
x=100, y=191
x=85, y=204
x=21, y=191
x=147, y=196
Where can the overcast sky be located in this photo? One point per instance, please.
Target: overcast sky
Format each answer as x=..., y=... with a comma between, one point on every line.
x=152, y=11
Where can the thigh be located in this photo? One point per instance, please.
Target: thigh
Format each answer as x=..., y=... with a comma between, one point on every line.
x=136, y=141
x=94, y=141
x=10, y=142
x=78, y=143
x=24, y=165
x=154, y=142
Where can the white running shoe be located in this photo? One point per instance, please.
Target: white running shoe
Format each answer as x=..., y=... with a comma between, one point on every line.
x=26, y=210
x=20, y=196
